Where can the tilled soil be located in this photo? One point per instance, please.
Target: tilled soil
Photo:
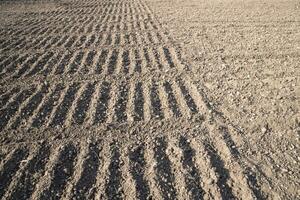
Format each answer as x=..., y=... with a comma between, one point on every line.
x=98, y=102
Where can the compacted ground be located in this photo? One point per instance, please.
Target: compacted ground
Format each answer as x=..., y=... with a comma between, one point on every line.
x=148, y=99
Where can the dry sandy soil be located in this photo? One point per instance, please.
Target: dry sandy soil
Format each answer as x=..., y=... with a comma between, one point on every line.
x=149, y=99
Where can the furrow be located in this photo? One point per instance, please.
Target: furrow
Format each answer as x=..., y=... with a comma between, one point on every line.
x=137, y=168
x=113, y=188
x=40, y=64
x=49, y=68
x=63, y=109
x=147, y=101
x=63, y=63
x=164, y=176
x=209, y=176
x=156, y=105
x=10, y=167
x=5, y=98
x=224, y=178
x=7, y=113
x=172, y=102
x=192, y=176
x=89, y=63
x=84, y=187
x=188, y=98
x=126, y=61
x=13, y=66
x=139, y=102
x=121, y=103
x=113, y=60
x=62, y=172
x=46, y=108
x=26, y=66
x=182, y=104
x=130, y=102
x=102, y=106
x=7, y=62
x=76, y=63
x=30, y=107
x=101, y=61
x=83, y=104
x=28, y=179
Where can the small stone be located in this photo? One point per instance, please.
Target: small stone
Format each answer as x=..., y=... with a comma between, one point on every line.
x=264, y=130
x=284, y=170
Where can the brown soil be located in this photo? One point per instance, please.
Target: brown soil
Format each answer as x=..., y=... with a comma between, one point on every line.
x=149, y=99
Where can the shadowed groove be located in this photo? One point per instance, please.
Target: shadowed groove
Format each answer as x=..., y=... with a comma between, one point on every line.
x=138, y=62
x=117, y=39
x=12, y=67
x=5, y=44
x=101, y=61
x=34, y=43
x=88, y=62
x=91, y=41
x=251, y=179
x=49, y=67
x=98, y=40
x=27, y=181
x=159, y=37
x=172, y=100
x=120, y=107
x=10, y=168
x=13, y=107
x=43, y=43
x=189, y=100
x=83, y=188
x=164, y=176
x=46, y=109
x=252, y=182
x=102, y=104
x=127, y=39
x=113, y=187
x=53, y=42
x=149, y=36
x=168, y=57
x=81, y=41
x=138, y=102
x=157, y=58
x=147, y=57
x=39, y=66
x=90, y=28
x=30, y=107
x=223, y=173
x=137, y=167
x=83, y=104
x=26, y=66
x=17, y=45
x=63, y=63
x=71, y=41
x=134, y=38
x=4, y=99
x=62, y=41
x=192, y=178
x=108, y=39
x=63, y=108
x=155, y=102
x=112, y=62
x=63, y=170
x=7, y=62
x=126, y=61
x=76, y=63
